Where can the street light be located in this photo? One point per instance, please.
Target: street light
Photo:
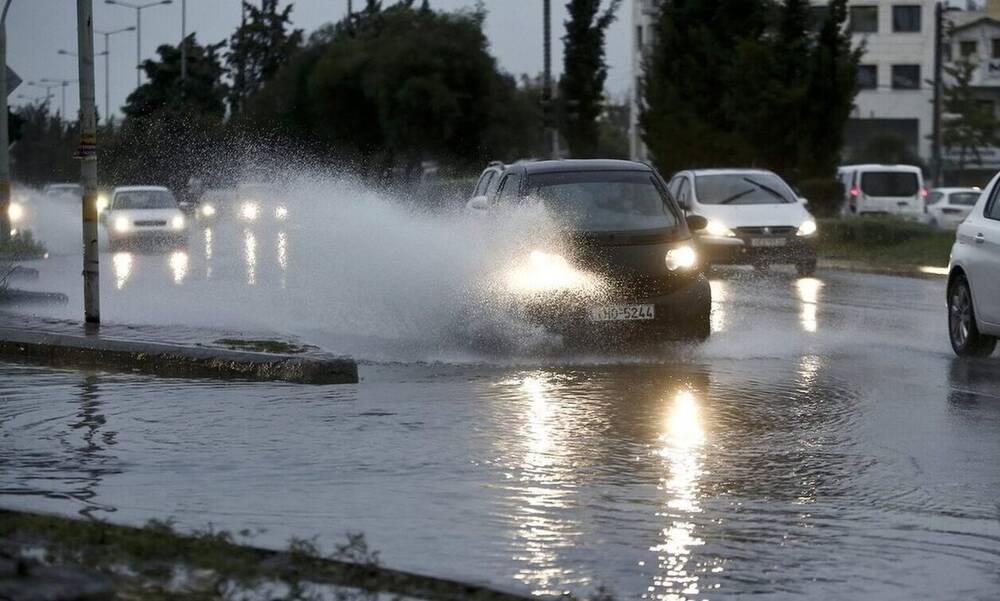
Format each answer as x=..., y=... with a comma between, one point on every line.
x=62, y=83
x=138, y=30
x=107, y=69
x=47, y=88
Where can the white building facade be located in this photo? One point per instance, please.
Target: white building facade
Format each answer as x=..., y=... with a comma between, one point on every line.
x=894, y=96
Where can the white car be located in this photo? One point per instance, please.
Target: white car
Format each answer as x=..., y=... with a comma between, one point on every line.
x=754, y=218
x=883, y=189
x=948, y=207
x=974, y=278
x=143, y=212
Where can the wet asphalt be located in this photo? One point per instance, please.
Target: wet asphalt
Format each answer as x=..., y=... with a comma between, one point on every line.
x=824, y=443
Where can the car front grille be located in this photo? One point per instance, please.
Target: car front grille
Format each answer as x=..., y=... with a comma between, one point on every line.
x=775, y=230
x=150, y=223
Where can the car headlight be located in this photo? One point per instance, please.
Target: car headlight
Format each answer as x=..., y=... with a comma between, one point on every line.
x=177, y=222
x=682, y=257
x=102, y=202
x=207, y=210
x=718, y=229
x=546, y=272
x=250, y=211
x=808, y=228
x=15, y=211
x=122, y=224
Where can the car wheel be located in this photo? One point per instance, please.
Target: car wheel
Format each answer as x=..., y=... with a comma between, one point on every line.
x=962, y=330
x=806, y=268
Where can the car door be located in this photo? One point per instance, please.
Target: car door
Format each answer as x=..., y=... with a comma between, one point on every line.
x=980, y=235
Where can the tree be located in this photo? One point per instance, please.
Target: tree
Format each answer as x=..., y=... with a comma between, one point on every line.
x=748, y=82
x=202, y=92
x=45, y=151
x=259, y=48
x=581, y=88
x=971, y=124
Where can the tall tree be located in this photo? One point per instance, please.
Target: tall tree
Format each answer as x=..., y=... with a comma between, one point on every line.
x=581, y=88
x=259, y=47
x=202, y=92
x=973, y=123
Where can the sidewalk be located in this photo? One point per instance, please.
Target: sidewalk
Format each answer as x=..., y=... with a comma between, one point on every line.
x=176, y=351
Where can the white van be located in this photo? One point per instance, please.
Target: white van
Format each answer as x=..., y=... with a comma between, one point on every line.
x=886, y=189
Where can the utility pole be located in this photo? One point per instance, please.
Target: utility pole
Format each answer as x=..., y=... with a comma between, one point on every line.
x=184, y=63
x=138, y=30
x=547, y=96
x=107, y=69
x=4, y=134
x=87, y=153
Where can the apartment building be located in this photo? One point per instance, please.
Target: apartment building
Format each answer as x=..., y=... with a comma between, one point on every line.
x=893, y=96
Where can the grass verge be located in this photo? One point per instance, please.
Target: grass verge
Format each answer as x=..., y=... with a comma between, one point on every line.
x=265, y=346
x=884, y=242
x=156, y=562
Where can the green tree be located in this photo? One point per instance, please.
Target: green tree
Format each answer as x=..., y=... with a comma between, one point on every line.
x=259, y=48
x=581, y=88
x=45, y=152
x=202, y=92
x=972, y=124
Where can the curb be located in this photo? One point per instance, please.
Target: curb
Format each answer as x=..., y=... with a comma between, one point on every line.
x=908, y=271
x=173, y=360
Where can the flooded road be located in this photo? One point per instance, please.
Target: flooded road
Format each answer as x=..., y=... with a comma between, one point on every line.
x=823, y=444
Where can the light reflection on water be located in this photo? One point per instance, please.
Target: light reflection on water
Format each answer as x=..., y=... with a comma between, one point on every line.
x=208, y=253
x=122, y=262
x=545, y=487
x=681, y=453
x=250, y=256
x=808, y=293
x=719, y=298
x=179, y=265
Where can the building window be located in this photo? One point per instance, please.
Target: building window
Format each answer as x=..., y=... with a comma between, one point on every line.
x=638, y=36
x=967, y=48
x=906, y=18
x=946, y=51
x=867, y=77
x=906, y=77
x=864, y=19
x=995, y=50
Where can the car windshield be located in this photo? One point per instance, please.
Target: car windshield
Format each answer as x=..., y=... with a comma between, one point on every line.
x=145, y=199
x=966, y=199
x=742, y=189
x=890, y=183
x=604, y=201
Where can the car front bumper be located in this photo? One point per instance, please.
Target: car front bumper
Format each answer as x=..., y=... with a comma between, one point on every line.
x=676, y=314
x=742, y=250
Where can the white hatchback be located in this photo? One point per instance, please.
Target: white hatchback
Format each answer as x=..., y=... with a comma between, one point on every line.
x=974, y=278
x=143, y=212
x=948, y=207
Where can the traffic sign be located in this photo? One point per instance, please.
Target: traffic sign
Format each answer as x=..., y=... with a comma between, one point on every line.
x=13, y=80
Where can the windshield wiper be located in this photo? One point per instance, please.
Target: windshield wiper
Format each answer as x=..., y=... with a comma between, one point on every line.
x=767, y=189
x=736, y=196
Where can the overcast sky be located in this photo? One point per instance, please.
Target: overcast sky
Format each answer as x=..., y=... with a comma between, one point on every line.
x=37, y=29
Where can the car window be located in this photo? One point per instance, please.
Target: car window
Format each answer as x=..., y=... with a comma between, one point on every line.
x=484, y=183
x=683, y=195
x=509, y=187
x=963, y=199
x=144, y=199
x=493, y=184
x=896, y=184
x=992, y=210
x=743, y=189
x=934, y=197
x=604, y=201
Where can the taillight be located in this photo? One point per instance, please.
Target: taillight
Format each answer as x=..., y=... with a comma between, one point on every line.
x=855, y=192
x=924, y=192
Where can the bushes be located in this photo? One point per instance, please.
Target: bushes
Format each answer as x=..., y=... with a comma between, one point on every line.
x=825, y=196
x=884, y=240
x=873, y=231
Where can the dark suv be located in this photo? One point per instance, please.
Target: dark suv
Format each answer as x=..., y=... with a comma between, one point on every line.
x=630, y=266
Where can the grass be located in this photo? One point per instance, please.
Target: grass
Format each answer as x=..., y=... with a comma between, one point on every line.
x=264, y=346
x=143, y=563
x=884, y=242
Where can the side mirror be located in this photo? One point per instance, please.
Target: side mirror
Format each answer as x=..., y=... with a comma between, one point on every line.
x=478, y=203
x=696, y=222
x=803, y=200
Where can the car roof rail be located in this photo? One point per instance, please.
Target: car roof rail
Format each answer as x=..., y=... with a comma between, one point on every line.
x=495, y=164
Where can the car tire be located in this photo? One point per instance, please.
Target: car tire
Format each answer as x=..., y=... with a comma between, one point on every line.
x=963, y=332
x=806, y=268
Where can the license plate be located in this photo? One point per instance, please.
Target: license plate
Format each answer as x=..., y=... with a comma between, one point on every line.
x=623, y=313
x=768, y=242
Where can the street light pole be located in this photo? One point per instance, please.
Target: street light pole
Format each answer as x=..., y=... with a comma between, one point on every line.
x=184, y=63
x=62, y=84
x=107, y=68
x=48, y=90
x=87, y=153
x=138, y=30
x=75, y=55
x=4, y=134
x=547, y=95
